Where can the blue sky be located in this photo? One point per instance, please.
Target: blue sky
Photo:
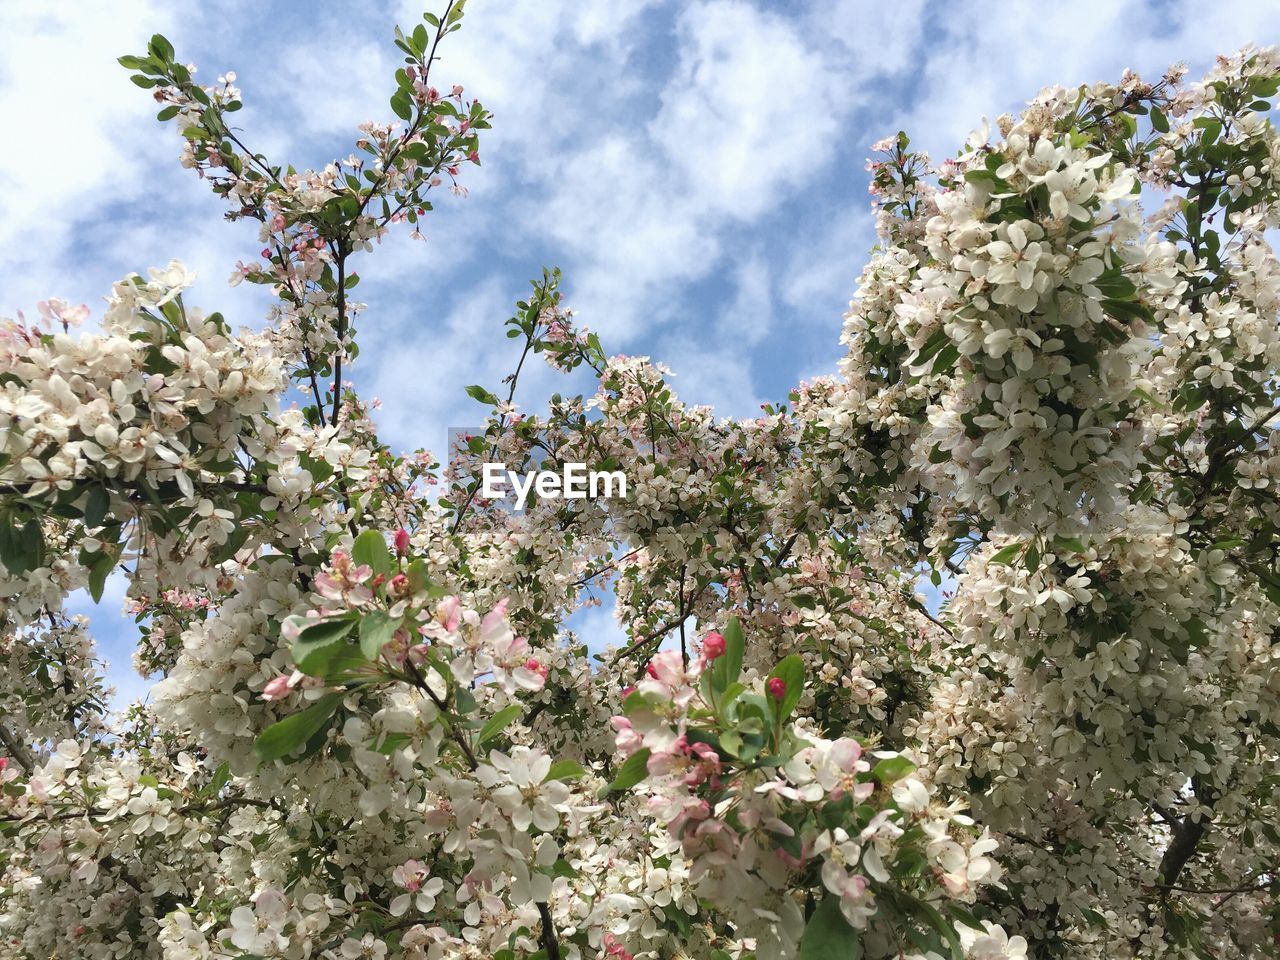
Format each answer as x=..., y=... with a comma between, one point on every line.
x=696, y=169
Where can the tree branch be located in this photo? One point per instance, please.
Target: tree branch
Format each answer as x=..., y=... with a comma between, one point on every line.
x=548, y=935
x=17, y=749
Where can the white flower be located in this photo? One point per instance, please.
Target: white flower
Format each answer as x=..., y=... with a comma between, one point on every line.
x=994, y=944
x=367, y=947
x=151, y=814
x=524, y=797
x=260, y=930
x=420, y=892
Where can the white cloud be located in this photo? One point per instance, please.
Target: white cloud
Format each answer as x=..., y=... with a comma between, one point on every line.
x=822, y=273
x=751, y=110
x=72, y=131
x=973, y=68
x=711, y=372
x=748, y=317
x=421, y=365
x=881, y=37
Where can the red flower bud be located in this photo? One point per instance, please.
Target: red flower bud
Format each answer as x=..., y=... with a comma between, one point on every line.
x=777, y=688
x=402, y=541
x=713, y=645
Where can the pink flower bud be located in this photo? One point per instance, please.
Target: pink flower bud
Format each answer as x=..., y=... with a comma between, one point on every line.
x=277, y=688
x=713, y=646
x=402, y=541
x=777, y=688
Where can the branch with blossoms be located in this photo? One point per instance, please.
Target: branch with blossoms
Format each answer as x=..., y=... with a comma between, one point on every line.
x=845, y=850
x=382, y=619
x=314, y=221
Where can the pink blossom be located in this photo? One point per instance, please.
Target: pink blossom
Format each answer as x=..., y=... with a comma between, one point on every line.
x=402, y=541
x=713, y=646
x=59, y=311
x=777, y=688
x=667, y=667
x=278, y=688
x=533, y=666
x=410, y=875
x=627, y=738
x=612, y=946
x=448, y=613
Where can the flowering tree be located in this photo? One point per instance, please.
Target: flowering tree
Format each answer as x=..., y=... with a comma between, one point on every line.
x=375, y=736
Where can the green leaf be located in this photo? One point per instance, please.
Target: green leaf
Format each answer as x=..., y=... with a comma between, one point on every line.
x=477, y=392
x=287, y=735
x=939, y=923
x=1074, y=544
x=945, y=360
x=160, y=47
x=370, y=548
x=319, y=643
x=420, y=581
x=936, y=342
x=11, y=552
x=98, y=574
x=419, y=38
x=828, y=936
x=892, y=769
x=563, y=868
x=731, y=741
x=565, y=770
x=33, y=543
x=726, y=669
x=1159, y=121
x=499, y=722
x=376, y=631
x=401, y=105
x=790, y=670
x=1006, y=554
x=634, y=769
x=96, y=506
x=221, y=777
x=965, y=917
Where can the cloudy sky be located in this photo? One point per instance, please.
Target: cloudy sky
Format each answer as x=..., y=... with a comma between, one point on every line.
x=696, y=169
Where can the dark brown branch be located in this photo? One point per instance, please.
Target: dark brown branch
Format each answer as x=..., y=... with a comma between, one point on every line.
x=1187, y=834
x=17, y=749
x=548, y=935
x=422, y=685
